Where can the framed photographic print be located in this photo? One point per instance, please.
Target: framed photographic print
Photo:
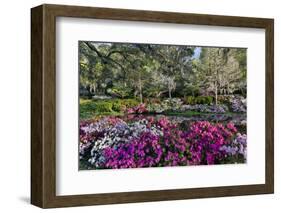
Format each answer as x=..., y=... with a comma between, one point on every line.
x=137, y=106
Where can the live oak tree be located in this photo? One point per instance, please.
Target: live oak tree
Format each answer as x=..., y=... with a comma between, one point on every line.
x=148, y=70
x=175, y=62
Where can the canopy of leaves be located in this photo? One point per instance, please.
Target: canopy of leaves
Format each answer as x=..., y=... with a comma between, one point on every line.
x=126, y=70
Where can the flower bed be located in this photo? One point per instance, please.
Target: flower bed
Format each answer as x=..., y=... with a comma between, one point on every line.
x=236, y=103
x=175, y=105
x=229, y=103
x=111, y=142
x=205, y=108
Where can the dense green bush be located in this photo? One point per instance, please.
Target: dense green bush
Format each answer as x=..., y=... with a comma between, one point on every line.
x=89, y=107
x=191, y=100
x=204, y=100
x=86, y=109
x=103, y=106
x=189, y=90
x=128, y=103
x=120, y=105
x=210, y=99
x=120, y=91
x=117, y=106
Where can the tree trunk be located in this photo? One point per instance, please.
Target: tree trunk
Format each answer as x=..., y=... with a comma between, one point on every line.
x=141, y=96
x=228, y=89
x=94, y=88
x=140, y=88
x=216, y=92
x=170, y=90
x=170, y=95
x=160, y=93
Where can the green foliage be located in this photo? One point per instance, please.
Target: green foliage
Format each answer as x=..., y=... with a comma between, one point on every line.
x=190, y=90
x=152, y=91
x=191, y=100
x=128, y=71
x=152, y=101
x=89, y=108
x=120, y=105
x=204, y=100
x=120, y=91
x=224, y=99
x=103, y=106
x=86, y=109
x=129, y=103
x=117, y=106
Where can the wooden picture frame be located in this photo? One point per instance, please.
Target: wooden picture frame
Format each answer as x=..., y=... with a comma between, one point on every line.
x=43, y=105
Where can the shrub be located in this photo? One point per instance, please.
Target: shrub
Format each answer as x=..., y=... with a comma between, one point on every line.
x=139, y=109
x=200, y=100
x=86, y=108
x=110, y=142
x=152, y=100
x=142, y=152
x=205, y=108
x=205, y=100
x=238, y=104
x=165, y=147
x=236, y=152
x=224, y=99
x=206, y=142
x=172, y=104
x=89, y=107
x=103, y=106
x=190, y=100
x=119, y=91
x=128, y=103
x=157, y=108
x=117, y=106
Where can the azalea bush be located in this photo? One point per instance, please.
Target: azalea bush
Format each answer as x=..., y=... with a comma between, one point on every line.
x=139, y=109
x=172, y=104
x=176, y=105
x=205, y=108
x=236, y=103
x=206, y=142
x=111, y=142
x=236, y=152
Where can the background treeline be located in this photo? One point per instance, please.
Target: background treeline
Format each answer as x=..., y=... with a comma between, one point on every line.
x=142, y=71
